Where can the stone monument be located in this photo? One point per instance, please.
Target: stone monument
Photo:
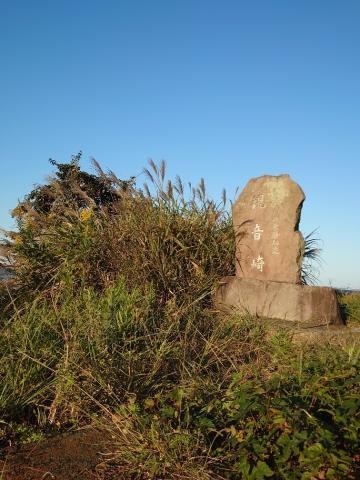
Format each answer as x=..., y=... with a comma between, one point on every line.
x=266, y=218
x=269, y=254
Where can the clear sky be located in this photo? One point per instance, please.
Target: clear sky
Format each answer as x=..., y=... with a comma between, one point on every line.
x=226, y=90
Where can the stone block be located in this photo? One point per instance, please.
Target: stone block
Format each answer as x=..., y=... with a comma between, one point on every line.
x=301, y=304
x=266, y=218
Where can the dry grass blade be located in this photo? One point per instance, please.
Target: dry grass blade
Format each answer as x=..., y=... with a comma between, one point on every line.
x=179, y=186
x=223, y=197
x=149, y=175
x=162, y=170
x=98, y=169
x=154, y=166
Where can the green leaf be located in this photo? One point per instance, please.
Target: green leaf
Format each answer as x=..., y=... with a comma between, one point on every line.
x=262, y=470
x=206, y=422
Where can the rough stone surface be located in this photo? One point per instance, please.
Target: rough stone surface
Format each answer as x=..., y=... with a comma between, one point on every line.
x=303, y=304
x=266, y=217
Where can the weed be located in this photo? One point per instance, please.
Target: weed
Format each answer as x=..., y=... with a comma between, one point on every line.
x=108, y=319
x=350, y=303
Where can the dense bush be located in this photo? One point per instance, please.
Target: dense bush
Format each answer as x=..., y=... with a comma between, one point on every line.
x=109, y=320
x=70, y=231
x=298, y=422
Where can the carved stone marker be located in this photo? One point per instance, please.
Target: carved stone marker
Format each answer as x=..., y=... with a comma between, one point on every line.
x=266, y=217
x=269, y=254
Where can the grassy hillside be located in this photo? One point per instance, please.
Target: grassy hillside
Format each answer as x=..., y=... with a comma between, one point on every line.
x=109, y=321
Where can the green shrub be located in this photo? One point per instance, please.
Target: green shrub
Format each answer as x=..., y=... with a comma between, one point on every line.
x=294, y=426
x=350, y=303
x=179, y=243
x=302, y=424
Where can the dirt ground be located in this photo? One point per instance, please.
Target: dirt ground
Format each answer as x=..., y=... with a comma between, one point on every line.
x=78, y=455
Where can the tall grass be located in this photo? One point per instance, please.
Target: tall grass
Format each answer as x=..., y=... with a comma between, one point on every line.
x=109, y=320
x=179, y=242
x=183, y=394
x=350, y=303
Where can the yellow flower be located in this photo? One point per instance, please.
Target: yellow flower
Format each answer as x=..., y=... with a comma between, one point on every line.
x=18, y=240
x=29, y=222
x=86, y=214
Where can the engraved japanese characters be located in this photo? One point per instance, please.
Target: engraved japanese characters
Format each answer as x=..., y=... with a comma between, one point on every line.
x=266, y=217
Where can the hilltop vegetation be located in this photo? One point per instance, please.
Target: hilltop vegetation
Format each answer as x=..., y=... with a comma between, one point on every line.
x=109, y=321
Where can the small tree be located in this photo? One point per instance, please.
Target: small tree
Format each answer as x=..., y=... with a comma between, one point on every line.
x=74, y=188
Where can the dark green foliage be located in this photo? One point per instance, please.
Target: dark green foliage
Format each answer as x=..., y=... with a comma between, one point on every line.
x=296, y=426
x=299, y=424
x=75, y=188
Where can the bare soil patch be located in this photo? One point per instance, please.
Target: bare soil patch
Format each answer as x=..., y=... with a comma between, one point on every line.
x=64, y=457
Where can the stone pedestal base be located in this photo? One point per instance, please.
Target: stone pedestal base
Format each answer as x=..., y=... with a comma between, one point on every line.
x=303, y=304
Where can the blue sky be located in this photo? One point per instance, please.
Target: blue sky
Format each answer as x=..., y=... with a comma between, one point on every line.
x=224, y=90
